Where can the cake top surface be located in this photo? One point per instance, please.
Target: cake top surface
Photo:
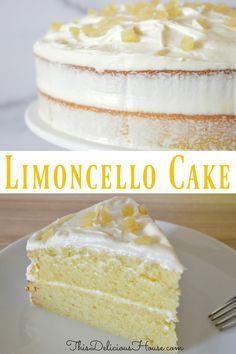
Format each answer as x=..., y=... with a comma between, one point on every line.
x=117, y=225
x=154, y=35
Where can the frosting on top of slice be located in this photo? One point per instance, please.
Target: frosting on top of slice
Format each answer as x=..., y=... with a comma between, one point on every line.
x=117, y=225
x=146, y=36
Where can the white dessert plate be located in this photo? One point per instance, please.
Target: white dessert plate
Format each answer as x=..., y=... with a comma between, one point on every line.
x=210, y=280
x=44, y=131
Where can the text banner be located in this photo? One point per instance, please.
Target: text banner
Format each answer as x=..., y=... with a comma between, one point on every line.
x=117, y=172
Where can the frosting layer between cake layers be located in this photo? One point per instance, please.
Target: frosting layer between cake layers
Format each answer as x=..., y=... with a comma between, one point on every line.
x=140, y=131
x=189, y=94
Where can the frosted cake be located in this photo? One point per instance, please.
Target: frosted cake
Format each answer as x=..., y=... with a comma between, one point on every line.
x=109, y=266
x=142, y=75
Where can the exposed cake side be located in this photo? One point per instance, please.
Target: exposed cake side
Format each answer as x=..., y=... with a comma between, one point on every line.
x=139, y=75
x=161, y=132
x=160, y=93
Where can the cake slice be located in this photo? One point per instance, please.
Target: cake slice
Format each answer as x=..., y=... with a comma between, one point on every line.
x=108, y=266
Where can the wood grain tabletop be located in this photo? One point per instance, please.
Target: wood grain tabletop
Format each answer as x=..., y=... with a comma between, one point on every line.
x=214, y=215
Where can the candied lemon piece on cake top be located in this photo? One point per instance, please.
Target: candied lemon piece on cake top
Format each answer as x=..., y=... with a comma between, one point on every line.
x=129, y=35
x=91, y=12
x=230, y=22
x=75, y=31
x=56, y=26
x=173, y=8
x=94, y=31
x=222, y=9
x=45, y=235
x=109, y=10
x=143, y=209
x=144, y=240
x=232, y=12
x=130, y=224
x=135, y=9
x=127, y=210
x=88, y=219
x=163, y=52
x=161, y=14
x=203, y=23
x=104, y=217
x=187, y=43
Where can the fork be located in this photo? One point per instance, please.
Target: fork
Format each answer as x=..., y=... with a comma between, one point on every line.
x=225, y=316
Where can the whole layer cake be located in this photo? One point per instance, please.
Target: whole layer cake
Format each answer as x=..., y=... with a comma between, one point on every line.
x=109, y=266
x=144, y=75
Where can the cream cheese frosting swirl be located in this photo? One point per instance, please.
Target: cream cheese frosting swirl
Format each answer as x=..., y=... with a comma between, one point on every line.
x=196, y=37
x=146, y=242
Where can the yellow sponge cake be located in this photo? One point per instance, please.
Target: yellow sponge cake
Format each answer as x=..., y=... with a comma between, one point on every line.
x=111, y=267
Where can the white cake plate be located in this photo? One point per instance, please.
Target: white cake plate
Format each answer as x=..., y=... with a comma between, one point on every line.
x=209, y=280
x=51, y=135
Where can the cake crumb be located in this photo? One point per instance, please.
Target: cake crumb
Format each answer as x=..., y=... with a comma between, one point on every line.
x=30, y=287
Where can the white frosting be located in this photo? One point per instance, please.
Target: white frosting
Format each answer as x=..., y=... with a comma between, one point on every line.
x=187, y=94
x=170, y=316
x=216, y=49
x=141, y=133
x=110, y=238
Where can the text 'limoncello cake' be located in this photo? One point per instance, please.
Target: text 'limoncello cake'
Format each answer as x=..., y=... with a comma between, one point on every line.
x=111, y=267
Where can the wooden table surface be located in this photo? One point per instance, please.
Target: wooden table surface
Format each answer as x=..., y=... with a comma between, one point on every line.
x=214, y=215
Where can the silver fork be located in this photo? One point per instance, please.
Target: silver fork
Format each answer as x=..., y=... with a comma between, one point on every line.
x=225, y=316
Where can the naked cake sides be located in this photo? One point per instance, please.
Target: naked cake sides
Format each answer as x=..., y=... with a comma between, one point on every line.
x=146, y=75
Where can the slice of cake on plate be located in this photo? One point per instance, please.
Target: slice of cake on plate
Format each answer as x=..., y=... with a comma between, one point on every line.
x=108, y=266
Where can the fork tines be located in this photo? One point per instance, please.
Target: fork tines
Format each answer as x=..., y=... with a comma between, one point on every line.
x=225, y=316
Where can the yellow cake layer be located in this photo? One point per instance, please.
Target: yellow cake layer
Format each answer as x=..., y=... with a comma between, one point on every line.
x=106, y=312
x=127, y=277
